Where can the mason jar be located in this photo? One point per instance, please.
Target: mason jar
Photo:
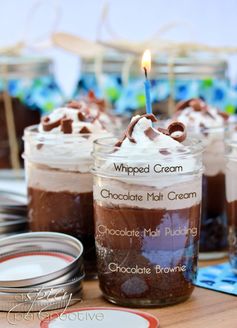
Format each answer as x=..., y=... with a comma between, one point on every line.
x=60, y=186
x=147, y=220
x=231, y=192
x=27, y=89
x=118, y=78
x=213, y=238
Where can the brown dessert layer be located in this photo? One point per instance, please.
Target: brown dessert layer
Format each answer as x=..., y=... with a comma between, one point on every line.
x=152, y=266
x=232, y=222
x=23, y=117
x=213, y=223
x=65, y=212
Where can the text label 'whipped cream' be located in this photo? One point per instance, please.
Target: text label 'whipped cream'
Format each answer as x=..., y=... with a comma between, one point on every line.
x=156, y=168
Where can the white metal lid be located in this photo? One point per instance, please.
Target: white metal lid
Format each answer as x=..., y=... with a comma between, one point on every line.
x=40, y=271
x=46, y=255
x=103, y=317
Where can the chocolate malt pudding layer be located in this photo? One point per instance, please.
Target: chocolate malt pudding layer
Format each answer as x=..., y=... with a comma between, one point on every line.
x=209, y=123
x=58, y=161
x=147, y=195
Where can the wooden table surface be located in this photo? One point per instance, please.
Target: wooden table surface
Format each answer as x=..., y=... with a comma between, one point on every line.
x=205, y=309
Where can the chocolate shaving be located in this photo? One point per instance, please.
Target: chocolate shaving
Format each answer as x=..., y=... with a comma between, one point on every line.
x=48, y=126
x=66, y=125
x=177, y=127
x=197, y=104
x=224, y=115
x=164, y=152
x=209, y=114
x=99, y=102
x=203, y=129
x=81, y=116
x=85, y=130
x=129, y=131
x=74, y=104
x=183, y=104
x=151, y=133
x=39, y=146
x=164, y=131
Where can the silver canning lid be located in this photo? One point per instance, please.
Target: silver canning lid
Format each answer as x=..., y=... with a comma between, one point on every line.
x=181, y=67
x=12, y=223
x=46, y=303
x=42, y=297
x=18, y=67
x=13, y=213
x=58, y=259
x=47, y=255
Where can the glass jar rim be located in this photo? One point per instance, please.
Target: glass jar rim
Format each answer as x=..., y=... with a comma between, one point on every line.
x=106, y=146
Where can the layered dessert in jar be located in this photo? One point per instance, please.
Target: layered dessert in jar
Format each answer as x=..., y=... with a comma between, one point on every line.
x=209, y=124
x=57, y=162
x=23, y=116
x=147, y=201
x=231, y=193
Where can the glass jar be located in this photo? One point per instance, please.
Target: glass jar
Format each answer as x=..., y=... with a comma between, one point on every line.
x=27, y=89
x=118, y=78
x=231, y=193
x=213, y=239
x=147, y=218
x=60, y=187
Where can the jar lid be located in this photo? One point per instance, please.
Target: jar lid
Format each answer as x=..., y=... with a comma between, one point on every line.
x=12, y=223
x=162, y=66
x=100, y=317
x=48, y=256
x=24, y=66
x=41, y=298
x=53, y=276
x=13, y=213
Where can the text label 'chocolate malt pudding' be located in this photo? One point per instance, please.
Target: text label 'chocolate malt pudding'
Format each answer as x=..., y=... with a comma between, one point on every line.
x=147, y=195
x=209, y=124
x=58, y=161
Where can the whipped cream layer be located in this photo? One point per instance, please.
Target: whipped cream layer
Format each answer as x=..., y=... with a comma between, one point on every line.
x=64, y=139
x=149, y=160
x=43, y=178
x=209, y=123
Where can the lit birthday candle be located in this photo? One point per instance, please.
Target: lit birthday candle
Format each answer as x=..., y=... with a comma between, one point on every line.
x=146, y=66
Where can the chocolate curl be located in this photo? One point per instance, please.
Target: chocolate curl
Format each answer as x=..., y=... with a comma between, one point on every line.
x=66, y=125
x=74, y=104
x=164, y=131
x=197, y=104
x=177, y=127
x=48, y=126
x=129, y=131
x=99, y=102
x=183, y=104
x=81, y=116
x=85, y=130
x=151, y=133
x=224, y=115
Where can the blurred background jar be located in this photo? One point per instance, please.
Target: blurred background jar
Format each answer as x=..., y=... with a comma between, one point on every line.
x=27, y=90
x=117, y=77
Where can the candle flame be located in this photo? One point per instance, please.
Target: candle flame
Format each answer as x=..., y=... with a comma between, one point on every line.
x=146, y=61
